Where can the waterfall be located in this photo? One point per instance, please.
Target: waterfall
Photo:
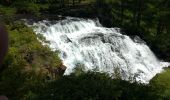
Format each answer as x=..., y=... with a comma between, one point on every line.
x=87, y=42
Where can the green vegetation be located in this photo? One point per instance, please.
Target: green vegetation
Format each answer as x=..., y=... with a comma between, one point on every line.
x=148, y=19
x=162, y=81
x=96, y=86
x=28, y=71
x=26, y=7
x=7, y=10
x=27, y=63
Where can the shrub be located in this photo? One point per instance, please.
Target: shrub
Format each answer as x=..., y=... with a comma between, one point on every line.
x=25, y=7
x=7, y=10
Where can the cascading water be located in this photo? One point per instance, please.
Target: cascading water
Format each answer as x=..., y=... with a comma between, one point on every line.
x=85, y=41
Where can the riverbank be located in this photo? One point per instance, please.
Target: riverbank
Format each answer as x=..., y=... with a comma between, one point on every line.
x=29, y=67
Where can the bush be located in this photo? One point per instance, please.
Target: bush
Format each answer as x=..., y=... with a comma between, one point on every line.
x=7, y=10
x=95, y=86
x=25, y=7
x=162, y=82
x=25, y=64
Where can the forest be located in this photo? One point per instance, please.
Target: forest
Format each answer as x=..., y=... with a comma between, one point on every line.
x=32, y=71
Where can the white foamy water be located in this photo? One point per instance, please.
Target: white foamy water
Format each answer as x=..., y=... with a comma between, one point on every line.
x=85, y=41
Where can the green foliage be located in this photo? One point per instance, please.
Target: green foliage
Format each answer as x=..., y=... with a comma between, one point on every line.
x=25, y=64
x=162, y=82
x=26, y=7
x=7, y=10
x=95, y=86
x=25, y=41
x=145, y=18
x=25, y=76
x=80, y=68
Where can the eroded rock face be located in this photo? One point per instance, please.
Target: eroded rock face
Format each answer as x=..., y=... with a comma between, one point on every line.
x=3, y=42
x=61, y=70
x=53, y=71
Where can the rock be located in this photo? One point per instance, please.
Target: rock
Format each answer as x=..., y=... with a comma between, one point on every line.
x=61, y=70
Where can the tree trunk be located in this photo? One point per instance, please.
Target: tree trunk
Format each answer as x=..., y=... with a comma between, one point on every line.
x=73, y=2
x=158, y=27
x=122, y=11
x=139, y=16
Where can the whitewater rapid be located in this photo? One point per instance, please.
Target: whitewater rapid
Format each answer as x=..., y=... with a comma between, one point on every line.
x=87, y=42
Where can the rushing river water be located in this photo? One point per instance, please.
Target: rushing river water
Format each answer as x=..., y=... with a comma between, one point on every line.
x=87, y=42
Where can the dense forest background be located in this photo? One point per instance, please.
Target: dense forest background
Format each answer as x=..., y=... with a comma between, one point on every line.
x=31, y=71
x=148, y=19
